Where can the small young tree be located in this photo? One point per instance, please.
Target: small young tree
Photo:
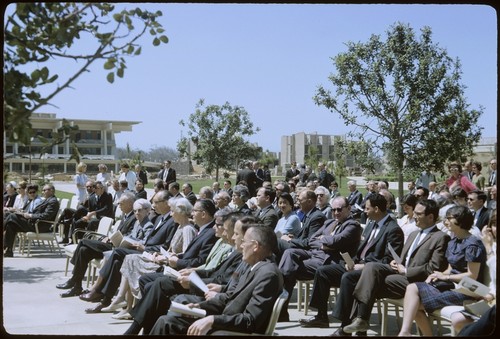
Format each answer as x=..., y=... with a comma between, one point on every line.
x=217, y=132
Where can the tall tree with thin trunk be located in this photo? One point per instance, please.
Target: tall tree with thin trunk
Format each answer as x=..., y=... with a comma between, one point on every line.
x=404, y=96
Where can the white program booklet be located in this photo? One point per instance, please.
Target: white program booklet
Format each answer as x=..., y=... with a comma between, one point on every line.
x=395, y=256
x=167, y=270
x=184, y=309
x=195, y=279
x=472, y=288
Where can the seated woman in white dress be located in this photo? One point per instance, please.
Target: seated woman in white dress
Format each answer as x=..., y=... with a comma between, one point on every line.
x=135, y=265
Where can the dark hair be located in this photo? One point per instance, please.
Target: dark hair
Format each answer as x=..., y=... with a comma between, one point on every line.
x=265, y=236
x=431, y=207
x=247, y=221
x=270, y=192
x=458, y=192
x=228, y=181
x=478, y=165
x=139, y=180
x=426, y=190
x=286, y=196
x=124, y=165
x=311, y=195
x=480, y=195
x=410, y=200
x=207, y=205
x=378, y=200
x=160, y=185
x=32, y=187
x=464, y=216
x=189, y=185
x=455, y=164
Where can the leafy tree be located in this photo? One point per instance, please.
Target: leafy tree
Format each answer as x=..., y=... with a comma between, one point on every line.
x=38, y=33
x=218, y=133
x=404, y=97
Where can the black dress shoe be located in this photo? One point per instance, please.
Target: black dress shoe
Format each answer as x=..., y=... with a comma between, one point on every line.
x=67, y=285
x=315, y=322
x=8, y=254
x=340, y=333
x=98, y=308
x=92, y=297
x=72, y=292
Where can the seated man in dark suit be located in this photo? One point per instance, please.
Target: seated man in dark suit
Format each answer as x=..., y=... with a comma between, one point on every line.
x=312, y=222
x=69, y=215
x=195, y=254
x=89, y=249
x=246, y=308
x=336, y=236
x=158, y=290
x=379, y=232
x=476, y=200
x=25, y=222
x=267, y=214
x=422, y=255
x=100, y=205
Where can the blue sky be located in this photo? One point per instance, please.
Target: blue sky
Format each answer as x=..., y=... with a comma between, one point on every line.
x=269, y=59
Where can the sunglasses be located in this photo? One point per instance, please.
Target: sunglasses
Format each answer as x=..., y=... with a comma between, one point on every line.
x=337, y=210
x=31, y=192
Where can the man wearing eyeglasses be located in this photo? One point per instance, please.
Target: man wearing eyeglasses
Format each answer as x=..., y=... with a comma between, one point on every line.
x=338, y=235
x=476, y=201
x=100, y=205
x=25, y=222
x=247, y=306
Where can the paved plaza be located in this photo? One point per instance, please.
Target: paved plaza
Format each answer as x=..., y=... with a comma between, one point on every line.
x=32, y=305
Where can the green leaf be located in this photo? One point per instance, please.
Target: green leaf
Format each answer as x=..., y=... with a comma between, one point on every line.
x=110, y=77
x=109, y=64
x=120, y=72
x=164, y=38
x=156, y=42
x=138, y=51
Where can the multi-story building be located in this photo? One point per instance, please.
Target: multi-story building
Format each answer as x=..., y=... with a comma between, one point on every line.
x=95, y=140
x=300, y=146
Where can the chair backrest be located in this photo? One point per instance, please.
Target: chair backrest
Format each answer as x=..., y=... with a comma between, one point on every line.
x=118, y=212
x=74, y=202
x=278, y=305
x=104, y=225
x=63, y=203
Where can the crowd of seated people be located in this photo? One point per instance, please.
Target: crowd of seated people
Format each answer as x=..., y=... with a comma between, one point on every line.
x=247, y=255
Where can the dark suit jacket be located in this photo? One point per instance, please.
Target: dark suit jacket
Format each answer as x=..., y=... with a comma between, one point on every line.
x=428, y=256
x=250, y=178
x=171, y=176
x=483, y=219
x=268, y=217
x=103, y=207
x=346, y=239
x=191, y=197
x=292, y=173
x=355, y=198
x=248, y=307
x=47, y=210
x=379, y=280
x=313, y=222
x=160, y=234
x=391, y=233
x=222, y=273
x=198, y=249
x=141, y=195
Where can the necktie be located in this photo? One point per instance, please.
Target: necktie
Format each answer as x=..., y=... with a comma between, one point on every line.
x=370, y=241
x=165, y=175
x=412, y=248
